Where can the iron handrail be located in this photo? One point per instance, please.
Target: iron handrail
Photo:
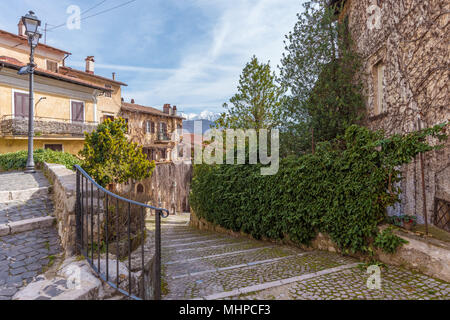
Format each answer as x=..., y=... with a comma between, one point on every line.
x=86, y=175
x=85, y=212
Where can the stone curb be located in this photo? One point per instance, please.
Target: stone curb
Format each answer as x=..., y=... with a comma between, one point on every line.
x=24, y=195
x=25, y=225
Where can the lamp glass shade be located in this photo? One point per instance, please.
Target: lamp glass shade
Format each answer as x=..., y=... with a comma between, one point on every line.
x=31, y=23
x=35, y=39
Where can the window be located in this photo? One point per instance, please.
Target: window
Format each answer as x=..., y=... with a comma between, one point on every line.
x=77, y=111
x=378, y=78
x=108, y=117
x=54, y=147
x=140, y=188
x=108, y=93
x=52, y=66
x=21, y=104
x=163, y=154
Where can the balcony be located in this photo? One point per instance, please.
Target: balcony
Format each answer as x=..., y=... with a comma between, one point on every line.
x=163, y=137
x=18, y=126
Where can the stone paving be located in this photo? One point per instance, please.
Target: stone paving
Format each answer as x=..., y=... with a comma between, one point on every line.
x=25, y=255
x=17, y=180
x=12, y=211
x=206, y=265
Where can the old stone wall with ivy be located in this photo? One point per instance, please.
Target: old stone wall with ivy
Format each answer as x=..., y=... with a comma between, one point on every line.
x=410, y=38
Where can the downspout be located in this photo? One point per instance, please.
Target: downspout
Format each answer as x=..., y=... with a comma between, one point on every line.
x=65, y=57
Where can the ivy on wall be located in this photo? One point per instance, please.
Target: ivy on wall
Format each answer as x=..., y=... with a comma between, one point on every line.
x=342, y=190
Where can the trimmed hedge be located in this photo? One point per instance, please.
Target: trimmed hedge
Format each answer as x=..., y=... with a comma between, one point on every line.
x=343, y=190
x=18, y=160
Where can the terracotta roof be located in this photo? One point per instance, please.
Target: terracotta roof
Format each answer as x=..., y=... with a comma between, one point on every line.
x=84, y=73
x=25, y=41
x=16, y=64
x=133, y=107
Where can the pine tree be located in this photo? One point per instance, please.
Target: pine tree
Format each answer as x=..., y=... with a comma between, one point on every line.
x=319, y=69
x=258, y=101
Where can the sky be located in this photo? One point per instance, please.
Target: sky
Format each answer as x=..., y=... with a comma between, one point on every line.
x=188, y=53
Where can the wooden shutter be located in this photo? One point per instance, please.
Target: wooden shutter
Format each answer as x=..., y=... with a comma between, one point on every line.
x=77, y=111
x=21, y=104
x=153, y=127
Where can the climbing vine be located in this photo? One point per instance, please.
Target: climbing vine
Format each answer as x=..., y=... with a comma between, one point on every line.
x=342, y=190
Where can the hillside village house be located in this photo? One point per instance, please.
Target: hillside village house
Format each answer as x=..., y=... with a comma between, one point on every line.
x=68, y=102
x=152, y=128
x=405, y=52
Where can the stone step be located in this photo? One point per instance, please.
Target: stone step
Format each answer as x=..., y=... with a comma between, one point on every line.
x=26, y=225
x=240, y=275
x=24, y=195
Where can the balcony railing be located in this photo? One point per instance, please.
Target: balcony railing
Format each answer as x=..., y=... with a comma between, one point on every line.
x=163, y=137
x=18, y=126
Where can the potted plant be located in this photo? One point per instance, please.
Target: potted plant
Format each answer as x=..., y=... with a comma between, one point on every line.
x=409, y=221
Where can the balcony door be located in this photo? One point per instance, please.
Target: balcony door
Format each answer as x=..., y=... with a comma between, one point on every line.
x=77, y=111
x=21, y=105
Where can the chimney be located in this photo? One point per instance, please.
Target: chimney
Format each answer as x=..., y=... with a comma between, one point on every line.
x=174, y=110
x=167, y=109
x=22, y=28
x=90, y=64
x=122, y=99
x=132, y=101
x=114, y=76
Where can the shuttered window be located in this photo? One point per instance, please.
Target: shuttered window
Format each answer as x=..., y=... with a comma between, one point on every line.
x=52, y=66
x=21, y=104
x=77, y=111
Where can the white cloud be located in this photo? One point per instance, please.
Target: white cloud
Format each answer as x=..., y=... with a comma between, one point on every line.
x=210, y=70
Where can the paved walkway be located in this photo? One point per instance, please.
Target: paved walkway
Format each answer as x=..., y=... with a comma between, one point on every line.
x=206, y=265
x=24, y=255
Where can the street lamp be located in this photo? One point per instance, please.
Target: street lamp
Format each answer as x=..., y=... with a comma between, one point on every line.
x=31, y=23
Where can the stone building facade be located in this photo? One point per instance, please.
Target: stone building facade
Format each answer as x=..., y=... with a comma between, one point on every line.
x=170, y=182
x=152, y=128
x=405, y=51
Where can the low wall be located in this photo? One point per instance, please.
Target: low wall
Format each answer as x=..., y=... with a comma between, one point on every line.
x=429, y=256
x=64, y=198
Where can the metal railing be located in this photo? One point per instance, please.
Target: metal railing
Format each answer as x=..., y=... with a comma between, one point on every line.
x=163, y=136
x=18, y=125
x=112, y=230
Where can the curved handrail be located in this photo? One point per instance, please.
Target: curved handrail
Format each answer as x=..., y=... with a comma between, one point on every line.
x=87, y=176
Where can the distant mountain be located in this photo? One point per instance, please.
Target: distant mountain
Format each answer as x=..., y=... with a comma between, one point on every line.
x=188, y=125
x=205, y=115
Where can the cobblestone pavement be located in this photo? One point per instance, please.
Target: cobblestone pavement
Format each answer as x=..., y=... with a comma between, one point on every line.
x=206, y=265
x=24, y=255
x=13, y=181
x=12, y=211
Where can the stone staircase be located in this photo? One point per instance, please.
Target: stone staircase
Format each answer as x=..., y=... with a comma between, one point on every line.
x=29, y=241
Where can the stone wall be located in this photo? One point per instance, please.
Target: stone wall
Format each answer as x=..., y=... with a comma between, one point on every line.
x=429, y=256
x=411, y=40
x=64, y=198
x=170, y=184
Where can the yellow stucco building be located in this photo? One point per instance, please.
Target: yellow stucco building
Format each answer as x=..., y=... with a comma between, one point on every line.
x=68, y=102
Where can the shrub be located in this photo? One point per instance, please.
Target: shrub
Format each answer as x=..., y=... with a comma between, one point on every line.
x=108, y=156
x=18, y=160
x=388, y=241
x=342, y=190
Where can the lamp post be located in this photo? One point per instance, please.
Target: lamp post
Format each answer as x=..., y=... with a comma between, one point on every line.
x=32, y=24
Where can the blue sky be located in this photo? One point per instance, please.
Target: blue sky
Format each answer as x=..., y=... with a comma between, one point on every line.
x=188, y=53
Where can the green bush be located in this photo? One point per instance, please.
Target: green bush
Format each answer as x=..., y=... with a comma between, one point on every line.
x=388, y=241
x=342, y=190
x=18, y=160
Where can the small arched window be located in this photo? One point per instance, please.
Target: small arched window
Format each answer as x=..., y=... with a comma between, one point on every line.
x=140, y=188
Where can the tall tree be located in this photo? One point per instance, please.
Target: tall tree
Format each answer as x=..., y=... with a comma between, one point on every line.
x=108, y=156
x=319, y=68
x=258, y=101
